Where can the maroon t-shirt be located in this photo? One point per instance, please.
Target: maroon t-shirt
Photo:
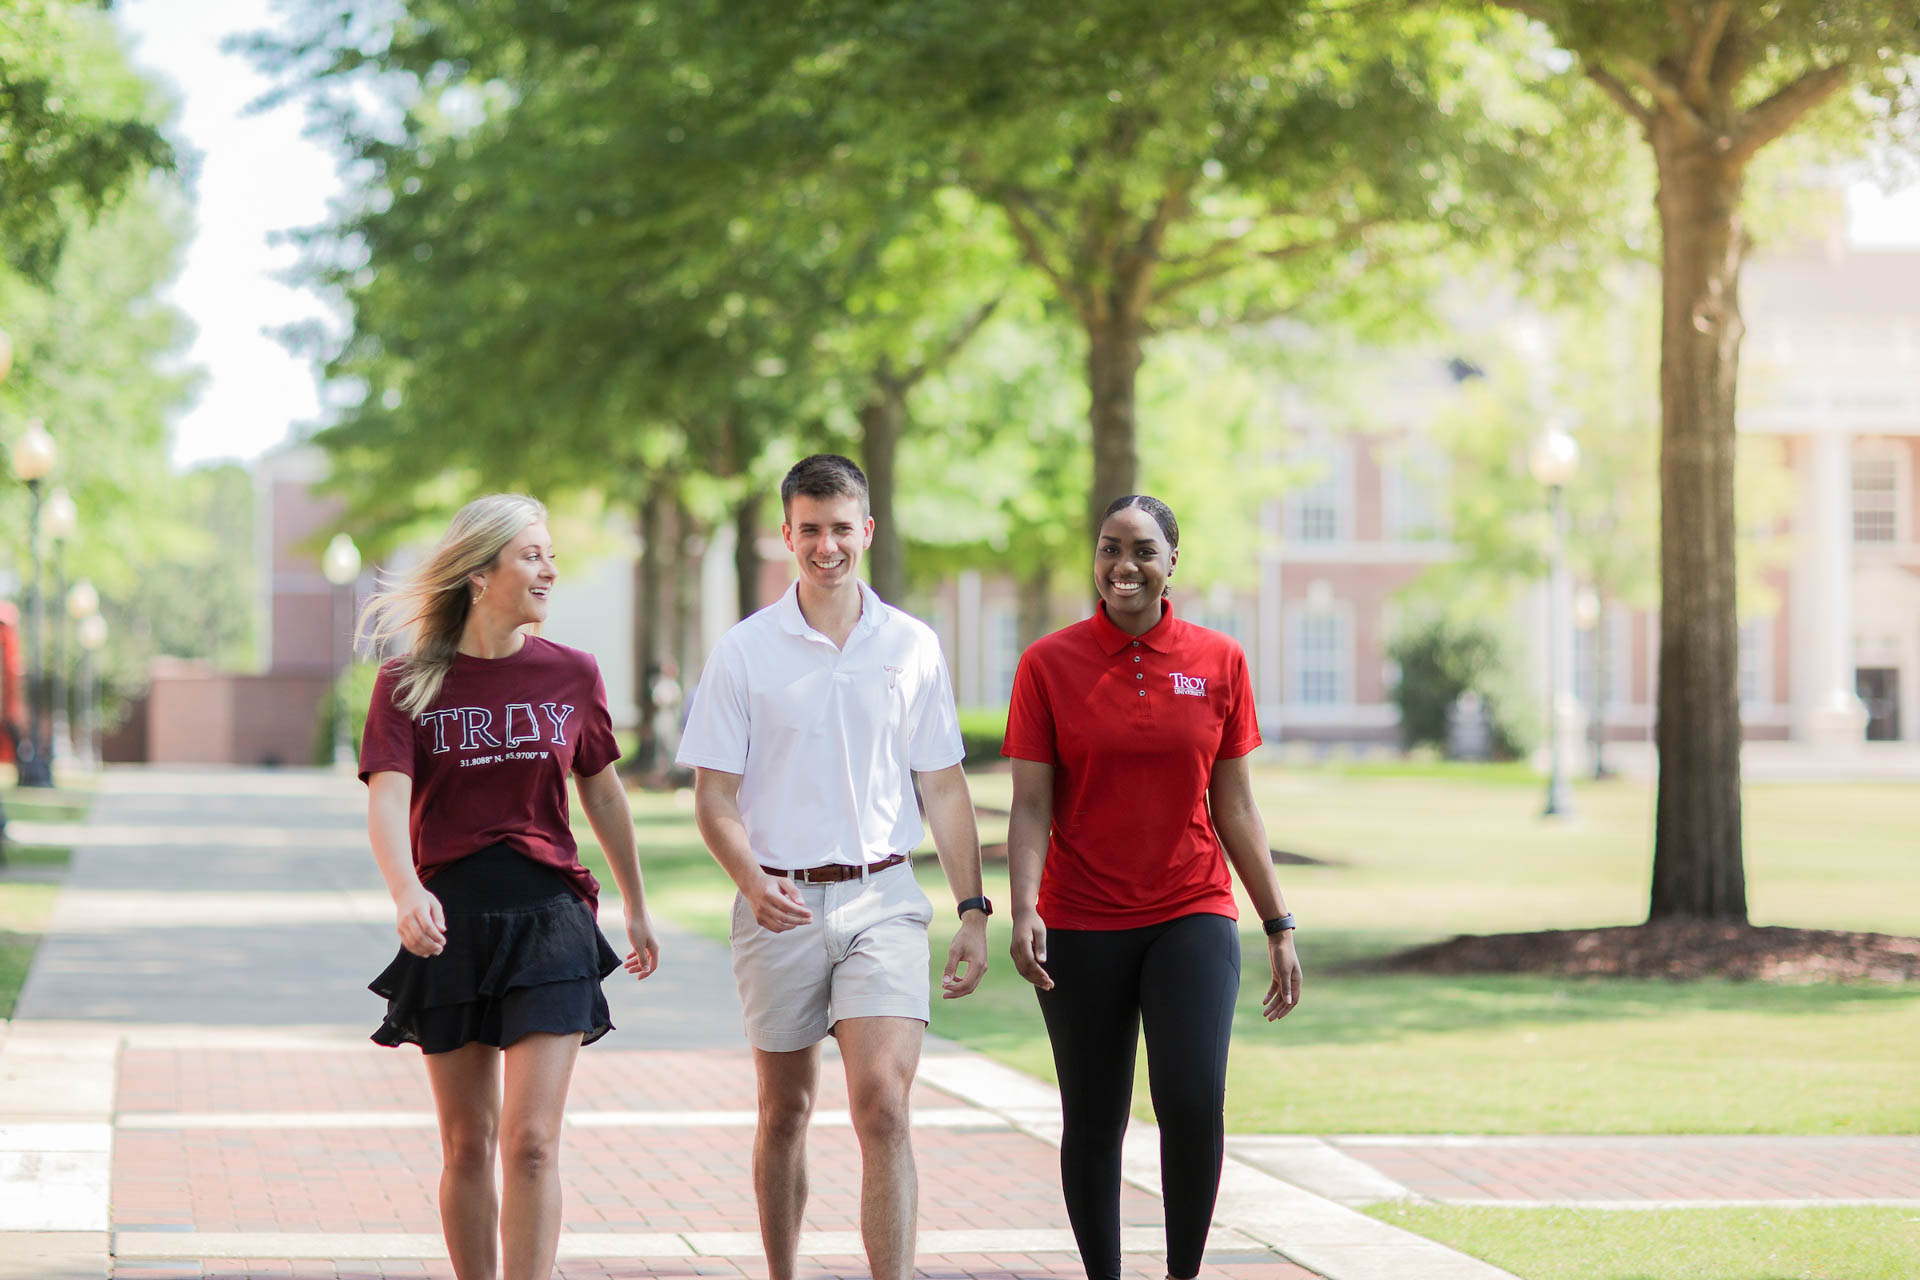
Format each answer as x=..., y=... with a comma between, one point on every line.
x=489, y=759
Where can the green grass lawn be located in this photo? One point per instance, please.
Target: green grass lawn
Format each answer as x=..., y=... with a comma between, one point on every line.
x=1421, y=854
x=25, y=907
x=1681, y=1244
x=26, y=891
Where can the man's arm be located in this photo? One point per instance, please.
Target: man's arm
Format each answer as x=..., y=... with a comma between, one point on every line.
x=957, y=840
x=776, y=904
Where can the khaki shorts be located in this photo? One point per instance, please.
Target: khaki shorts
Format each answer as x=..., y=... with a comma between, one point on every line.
x=863, y=955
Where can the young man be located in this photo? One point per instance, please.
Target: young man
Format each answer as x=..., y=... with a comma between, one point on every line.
x=806, y=731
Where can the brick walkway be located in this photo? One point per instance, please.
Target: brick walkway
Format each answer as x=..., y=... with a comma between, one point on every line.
x=191, y=1092
x=1629, y=1172
x=331, y=1140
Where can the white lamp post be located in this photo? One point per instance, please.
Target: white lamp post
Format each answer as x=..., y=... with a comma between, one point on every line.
x=60, y=519
x=1588, y=615
x=33, y=456
x=1553, y=458
x=91, y=632
x=340, y=564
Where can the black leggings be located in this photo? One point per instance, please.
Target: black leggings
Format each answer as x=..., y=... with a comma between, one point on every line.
x=1180, y=980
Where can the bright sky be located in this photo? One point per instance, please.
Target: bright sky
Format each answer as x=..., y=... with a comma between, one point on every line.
x=258, y=175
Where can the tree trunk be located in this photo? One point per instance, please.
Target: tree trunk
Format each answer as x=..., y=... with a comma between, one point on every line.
x=686, y=598
x=1113, y=361
x=882, y=421
x=646, y=627
x=1036, y=603
x=1697, y=862
x=746, y=552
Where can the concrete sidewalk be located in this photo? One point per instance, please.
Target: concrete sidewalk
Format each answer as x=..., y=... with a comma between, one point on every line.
x=188, y=1091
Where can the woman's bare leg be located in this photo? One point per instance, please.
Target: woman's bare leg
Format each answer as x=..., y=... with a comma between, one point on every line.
x=539, y=1069
x=466, y=1095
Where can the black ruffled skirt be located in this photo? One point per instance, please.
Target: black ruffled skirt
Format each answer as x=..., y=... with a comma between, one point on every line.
x=523, y=955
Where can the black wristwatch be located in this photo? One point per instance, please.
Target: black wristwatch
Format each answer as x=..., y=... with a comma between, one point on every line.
x=1279, y=924
x=981, y=905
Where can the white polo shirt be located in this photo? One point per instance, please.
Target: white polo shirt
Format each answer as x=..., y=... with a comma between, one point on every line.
x=826, y=740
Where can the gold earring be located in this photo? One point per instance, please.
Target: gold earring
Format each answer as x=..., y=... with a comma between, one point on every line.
x=481, y=592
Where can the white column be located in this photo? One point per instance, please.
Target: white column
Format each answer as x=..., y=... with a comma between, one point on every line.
x=1830, y=711
x=719, y=588
x=968, y=650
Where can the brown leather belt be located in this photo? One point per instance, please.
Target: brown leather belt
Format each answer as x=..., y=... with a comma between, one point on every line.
x=834, y=872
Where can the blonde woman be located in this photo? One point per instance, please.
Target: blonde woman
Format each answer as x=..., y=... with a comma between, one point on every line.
x=468, y=744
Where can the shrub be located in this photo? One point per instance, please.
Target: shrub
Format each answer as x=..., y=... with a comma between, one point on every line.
x=1440, y=660
x=981, y=731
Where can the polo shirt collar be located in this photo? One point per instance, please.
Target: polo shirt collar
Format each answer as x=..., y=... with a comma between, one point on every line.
x=1112, y=639
x=795, y=622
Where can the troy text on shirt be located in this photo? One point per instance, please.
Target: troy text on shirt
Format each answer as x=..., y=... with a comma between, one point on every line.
x=472, y=727
x=1194, y=685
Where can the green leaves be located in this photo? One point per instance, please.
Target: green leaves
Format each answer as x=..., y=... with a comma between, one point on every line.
x=76, y=127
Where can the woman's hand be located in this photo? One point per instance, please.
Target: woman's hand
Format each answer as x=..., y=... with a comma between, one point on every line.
x=1030, y=948
x=1284, y=994
x=645, y=956
x=420, y=921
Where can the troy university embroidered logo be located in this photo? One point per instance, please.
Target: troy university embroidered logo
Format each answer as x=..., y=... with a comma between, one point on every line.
x=893, y=677
x=1194, y=686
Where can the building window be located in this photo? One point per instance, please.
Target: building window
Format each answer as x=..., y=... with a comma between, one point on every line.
x=1221, y=611
x=1413, y=491
x=1756, y=663
x=1321, y=658
x=1876, y=498
x=1323, y=512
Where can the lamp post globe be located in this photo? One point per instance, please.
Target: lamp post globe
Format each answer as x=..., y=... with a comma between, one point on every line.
x=83, y=602
x=340, y=562
x=92, y=633
x=1586, y=608
x=1553, y=457
x=34, y=453
x=61, y=516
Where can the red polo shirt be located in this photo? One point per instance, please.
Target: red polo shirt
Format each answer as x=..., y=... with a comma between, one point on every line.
x=1132, y=727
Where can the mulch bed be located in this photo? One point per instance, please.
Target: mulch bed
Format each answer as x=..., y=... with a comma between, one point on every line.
x=1676, y=949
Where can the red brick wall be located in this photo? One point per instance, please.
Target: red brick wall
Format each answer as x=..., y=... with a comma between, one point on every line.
x=197, y=716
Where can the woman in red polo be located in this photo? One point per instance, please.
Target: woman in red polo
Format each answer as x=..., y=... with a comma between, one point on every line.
x=1129, y=734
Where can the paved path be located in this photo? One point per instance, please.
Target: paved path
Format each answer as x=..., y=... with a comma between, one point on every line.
x=188, y=1084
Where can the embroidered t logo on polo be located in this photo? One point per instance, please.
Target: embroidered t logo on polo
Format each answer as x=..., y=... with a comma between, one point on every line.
x=893, y=677
x=1194, y=685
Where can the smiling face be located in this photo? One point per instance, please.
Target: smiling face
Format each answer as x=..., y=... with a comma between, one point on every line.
x=520, y=580
x=1131, y=564
x=827, y=536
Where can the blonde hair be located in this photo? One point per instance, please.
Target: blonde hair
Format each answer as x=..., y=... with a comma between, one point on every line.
x=428, y=606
